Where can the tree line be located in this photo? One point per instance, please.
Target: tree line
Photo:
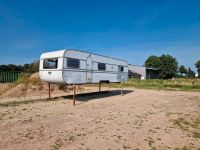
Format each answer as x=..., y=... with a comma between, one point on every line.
x=28, y=68
x=169, y=68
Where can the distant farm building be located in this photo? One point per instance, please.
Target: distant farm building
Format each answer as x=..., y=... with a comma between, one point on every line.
x=196, y=75
x=143, y=72
x=135, y=75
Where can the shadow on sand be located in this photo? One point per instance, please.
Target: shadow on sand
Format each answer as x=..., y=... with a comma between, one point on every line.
x=97, y=95
x=79, y=97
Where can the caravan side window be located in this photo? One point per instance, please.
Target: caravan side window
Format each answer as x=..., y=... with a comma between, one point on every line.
x=121, y=69
x=101, y=66
x=73, y=63
x=50, y=63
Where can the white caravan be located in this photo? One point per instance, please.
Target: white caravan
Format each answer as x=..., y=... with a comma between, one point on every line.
x=78, y=67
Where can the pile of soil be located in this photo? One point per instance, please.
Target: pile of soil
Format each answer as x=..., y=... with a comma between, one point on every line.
x=33, y=86
x=4, y=87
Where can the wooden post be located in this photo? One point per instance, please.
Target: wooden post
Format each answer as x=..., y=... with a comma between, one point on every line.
x=49, y=91
x=74, y=95
x=122, y=88
x=99, y=86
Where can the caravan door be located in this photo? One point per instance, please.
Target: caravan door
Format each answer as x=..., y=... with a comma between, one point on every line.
x=89, y=68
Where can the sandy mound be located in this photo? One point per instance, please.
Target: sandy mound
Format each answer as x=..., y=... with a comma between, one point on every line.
x=35, y=76
x=4, y=87
x=33, y=86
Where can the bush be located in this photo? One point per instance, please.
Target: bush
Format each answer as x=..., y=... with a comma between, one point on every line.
x=24, y=78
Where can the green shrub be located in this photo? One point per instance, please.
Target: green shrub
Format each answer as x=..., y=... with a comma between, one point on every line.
x=24, y=78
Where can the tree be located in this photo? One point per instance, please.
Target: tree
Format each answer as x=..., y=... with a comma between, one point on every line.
x=182, y=70
x=12, y=67
x=19, y=68
x=34, y=67
x=198, y=67
x=29, y=68
x=3, y=68
x=169, y=67
x=153, y=61
x=166, y=64
x=191, y=73
x=26, y=67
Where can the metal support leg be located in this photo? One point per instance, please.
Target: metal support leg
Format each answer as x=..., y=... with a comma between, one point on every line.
x=99, y=86
x=49, y=90
x=122, y=88
x=108, y=86
x=74, y=95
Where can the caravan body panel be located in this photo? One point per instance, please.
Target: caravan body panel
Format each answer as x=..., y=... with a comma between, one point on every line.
x=79, y=67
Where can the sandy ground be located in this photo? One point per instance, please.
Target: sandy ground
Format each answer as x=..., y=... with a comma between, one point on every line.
x=141, y=119
x=4, y=87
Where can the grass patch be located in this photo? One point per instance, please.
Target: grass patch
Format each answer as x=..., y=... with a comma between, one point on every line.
x=24, y=78
x=27, y=81
x=182, y=124
x=151, y=143
x=192, y=126
x=171, y=84
x=183, y=148
x=17, y=103
x=196, y=134
x=125, y=147
x=57, y=144
x=72, y=137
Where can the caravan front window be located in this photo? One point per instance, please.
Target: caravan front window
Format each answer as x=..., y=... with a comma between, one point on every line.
x=120, y=68
x=50, y=63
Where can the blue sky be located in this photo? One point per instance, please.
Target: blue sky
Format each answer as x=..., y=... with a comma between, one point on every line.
x=131, y=30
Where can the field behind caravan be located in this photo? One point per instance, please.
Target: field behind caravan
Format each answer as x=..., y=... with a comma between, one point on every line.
x=176, y=84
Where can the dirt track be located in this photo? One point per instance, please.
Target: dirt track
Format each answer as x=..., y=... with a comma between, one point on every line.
x=141, y=119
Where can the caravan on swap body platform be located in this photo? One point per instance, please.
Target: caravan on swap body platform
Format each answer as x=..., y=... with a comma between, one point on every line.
x=79, y=67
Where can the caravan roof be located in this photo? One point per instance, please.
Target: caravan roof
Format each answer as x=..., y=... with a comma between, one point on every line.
x=60, y=53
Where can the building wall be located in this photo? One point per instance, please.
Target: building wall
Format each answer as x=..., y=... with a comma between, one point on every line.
x=196, y=75
x=138, y=69
x=145, y=72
